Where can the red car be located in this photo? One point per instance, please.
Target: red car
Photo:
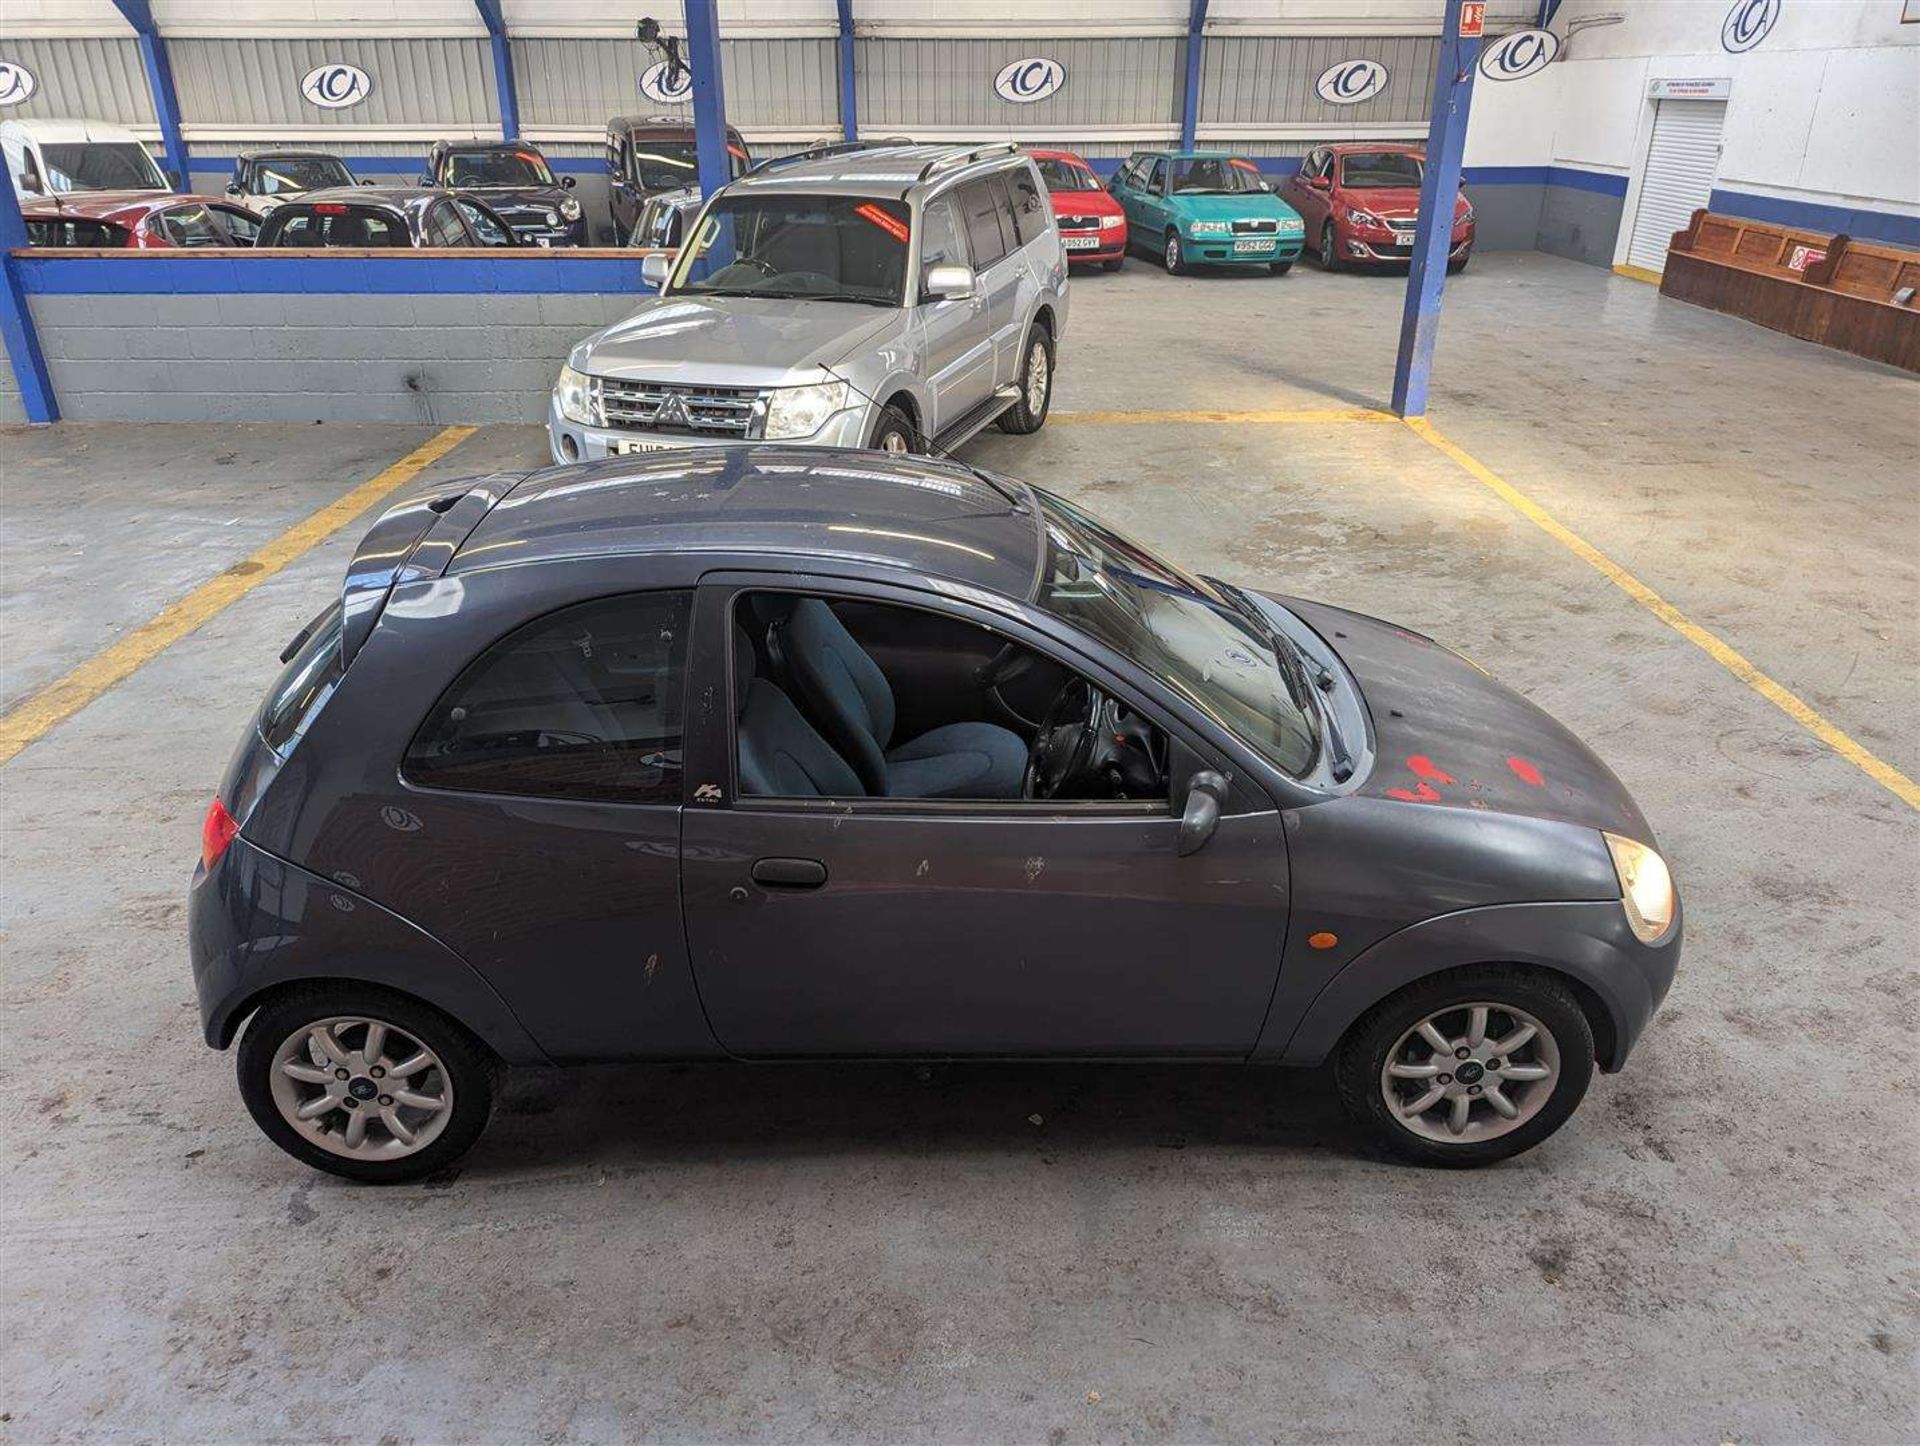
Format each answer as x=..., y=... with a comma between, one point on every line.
x=137, y=219
x=1092, y=225
x=1360, y=204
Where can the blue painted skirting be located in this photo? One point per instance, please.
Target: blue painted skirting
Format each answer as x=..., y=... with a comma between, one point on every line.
x=159, y=275
x=1859, y=223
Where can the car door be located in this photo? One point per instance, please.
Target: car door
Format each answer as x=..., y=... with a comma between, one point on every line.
x=996, y=267
x=958, y=345
x=1124, y=186
x=891, y=927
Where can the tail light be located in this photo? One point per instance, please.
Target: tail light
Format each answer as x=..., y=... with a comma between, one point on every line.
x=216, y=832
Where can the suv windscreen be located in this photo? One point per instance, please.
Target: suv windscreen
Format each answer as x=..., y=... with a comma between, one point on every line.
x=281, y=174
x=1065, y=175
x=497, y=168
x=1380, y=171
x=1181, y=629
x=330, y=225
x=827, y=248
x=102, y=166
x=1214, y=175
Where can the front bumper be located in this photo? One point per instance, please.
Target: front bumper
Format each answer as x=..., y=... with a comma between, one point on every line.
x=1219, y=250
x=569, y=441
x=573, y=233
x=1385, y=248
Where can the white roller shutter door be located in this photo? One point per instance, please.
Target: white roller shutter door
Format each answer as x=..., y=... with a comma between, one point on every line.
x=1681, y=164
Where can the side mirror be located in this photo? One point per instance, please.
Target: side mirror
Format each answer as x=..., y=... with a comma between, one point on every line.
x=1206, y=791
x=948, y=283
x=369, y=183
x=654, y=269
x=567, y=181
x=1266, y=186
x=234, y=188
x=1321, y=183
x=425, y=180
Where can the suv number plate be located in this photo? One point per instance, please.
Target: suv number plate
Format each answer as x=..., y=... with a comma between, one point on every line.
x=629, y=444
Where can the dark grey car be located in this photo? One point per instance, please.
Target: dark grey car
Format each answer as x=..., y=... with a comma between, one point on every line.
x=774, y=753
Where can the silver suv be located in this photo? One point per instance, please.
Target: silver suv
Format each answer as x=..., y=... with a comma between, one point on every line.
x=899, y=297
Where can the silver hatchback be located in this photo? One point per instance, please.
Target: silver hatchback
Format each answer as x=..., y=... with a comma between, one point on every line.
x=896, y=297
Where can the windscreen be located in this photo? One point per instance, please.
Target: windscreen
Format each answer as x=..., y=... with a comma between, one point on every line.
x=1215, y=176
x=1181, y=630
x=829, y=248
x=67, y=231
x=283, y=174
x=670, y=165
x=102, y=166
x=1063, y=175
x=1380, y=171
x=497, y=168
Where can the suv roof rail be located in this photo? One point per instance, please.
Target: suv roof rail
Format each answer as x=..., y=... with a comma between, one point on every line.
x=968, y=157
x=821, y=150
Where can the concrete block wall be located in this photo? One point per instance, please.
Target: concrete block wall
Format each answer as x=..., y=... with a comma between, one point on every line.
x=488, y=357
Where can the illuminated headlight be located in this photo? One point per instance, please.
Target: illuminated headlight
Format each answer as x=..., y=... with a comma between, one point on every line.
x=1356, y=217
x=578, y=396
x=569, y=209
x=1209, y=228
x=802, y=411
x=1646, y=887
x=1109, y=223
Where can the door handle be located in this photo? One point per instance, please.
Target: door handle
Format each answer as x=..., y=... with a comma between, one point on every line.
x=789, y=873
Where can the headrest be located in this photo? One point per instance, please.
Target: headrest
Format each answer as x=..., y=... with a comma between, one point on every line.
x=743, y=668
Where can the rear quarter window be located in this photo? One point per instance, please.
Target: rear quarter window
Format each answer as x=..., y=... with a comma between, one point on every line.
x=304, y=685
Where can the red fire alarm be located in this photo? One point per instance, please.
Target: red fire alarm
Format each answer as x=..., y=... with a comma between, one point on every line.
x=1473, y=19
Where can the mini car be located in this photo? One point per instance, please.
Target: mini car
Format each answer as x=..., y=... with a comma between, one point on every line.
x=265, y=180
x=1361, y=206
x=781, y=753
x=381, y=216
x=1206, y=207
x=517, y=185
x=137, y=219
x=1093, y=226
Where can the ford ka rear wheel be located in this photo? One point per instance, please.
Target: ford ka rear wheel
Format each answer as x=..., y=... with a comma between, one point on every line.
x=364, y=1083
x=1468, y=1067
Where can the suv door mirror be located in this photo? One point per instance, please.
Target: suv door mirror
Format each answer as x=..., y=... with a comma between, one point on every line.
x=948, y=283
x=654, y=269
x=1200, y=816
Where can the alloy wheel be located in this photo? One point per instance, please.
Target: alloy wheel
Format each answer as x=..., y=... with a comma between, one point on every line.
x=1173, y=253
x=1038, y=378
x=361, y=1088
x=1470, y=1072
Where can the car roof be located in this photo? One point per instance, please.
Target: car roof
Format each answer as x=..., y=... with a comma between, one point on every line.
x=109, y=205
x=1409, y=148
x=665, y=125
x=392, y=198
x=464, y=147
x=1053, y=153
x=926, y=518
x=877, y=171
x=265, y=151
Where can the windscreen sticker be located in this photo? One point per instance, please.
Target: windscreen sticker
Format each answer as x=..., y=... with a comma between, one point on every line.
x=887, y=222
x=1244, y=165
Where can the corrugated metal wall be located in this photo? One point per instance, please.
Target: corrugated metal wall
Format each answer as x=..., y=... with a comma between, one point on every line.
x=1267, y=80
x=442, y=84
x=777, y=84
x=100, y=78
x=906, y=83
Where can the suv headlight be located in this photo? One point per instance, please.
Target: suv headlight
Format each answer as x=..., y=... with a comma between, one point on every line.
x=1357, y=217
x=579, y=397
x=1646, y=887
x=1208, y=228
x=569, y=209
x=1108, y=223
x=802, y=411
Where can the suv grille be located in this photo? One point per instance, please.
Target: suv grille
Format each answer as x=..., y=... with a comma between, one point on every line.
x=686, y=411
x=1241, y=228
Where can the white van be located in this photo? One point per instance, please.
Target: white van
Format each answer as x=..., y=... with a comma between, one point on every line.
x=52, y=157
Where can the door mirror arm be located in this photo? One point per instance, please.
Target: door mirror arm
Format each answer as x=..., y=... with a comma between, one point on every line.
x=1200, y=815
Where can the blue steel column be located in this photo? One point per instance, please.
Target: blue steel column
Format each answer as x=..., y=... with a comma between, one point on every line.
x=709, y=94
x=849, y=101
x=166, y=105
x=496, y=24
x=1446, y=142
x=1190, y=97
x=16, y=321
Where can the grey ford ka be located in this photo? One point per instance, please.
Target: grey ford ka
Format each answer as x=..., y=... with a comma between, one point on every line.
x=899, y=297
x=779, y=753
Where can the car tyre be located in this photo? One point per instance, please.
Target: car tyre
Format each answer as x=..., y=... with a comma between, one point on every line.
x=1454, y=268
x=1175, y=260
x=1029, y=414
x=894, y=432
x=1329, y=248
x=1280, y=268
x=1541, y=1079
x=460, y=1071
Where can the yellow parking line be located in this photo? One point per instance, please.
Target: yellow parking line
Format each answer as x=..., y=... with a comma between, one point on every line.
x=1324, y=414
x=1788, y=702
x=34, y=715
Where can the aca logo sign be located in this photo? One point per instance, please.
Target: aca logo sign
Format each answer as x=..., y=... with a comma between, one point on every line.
x=1348, y=82
x=665, y=83
x=1747, y=23
x=16, y=83
x=336, y=86
x=1516, y=56
x=1026, y=81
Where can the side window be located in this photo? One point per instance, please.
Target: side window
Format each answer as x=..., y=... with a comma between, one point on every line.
x=490, y=231
x=443, y=227
x=941, y=243
x=583, y=703
x=982, y=209
x=188, y=226
x=616, y=157
x=1157, y=182
x=1129, y=174
x=1029, y=212
x=242, y=228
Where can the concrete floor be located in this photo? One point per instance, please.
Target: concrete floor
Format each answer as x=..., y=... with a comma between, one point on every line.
x=1719, y=1247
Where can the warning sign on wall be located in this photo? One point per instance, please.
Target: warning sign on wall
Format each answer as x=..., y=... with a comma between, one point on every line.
x=1473, y=19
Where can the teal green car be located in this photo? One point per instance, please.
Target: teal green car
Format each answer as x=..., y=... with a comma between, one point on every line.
x=1206, y=208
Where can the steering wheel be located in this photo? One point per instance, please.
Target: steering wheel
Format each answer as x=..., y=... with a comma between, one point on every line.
x=1062, y=752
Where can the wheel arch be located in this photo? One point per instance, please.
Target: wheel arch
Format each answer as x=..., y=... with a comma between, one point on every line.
x=502, y=1046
